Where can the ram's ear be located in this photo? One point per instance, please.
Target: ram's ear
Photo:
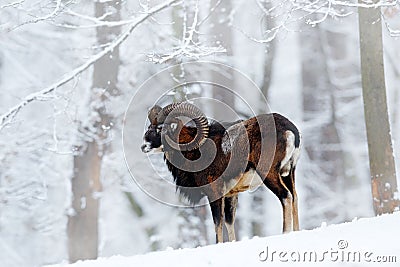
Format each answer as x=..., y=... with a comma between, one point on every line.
x=153, y=113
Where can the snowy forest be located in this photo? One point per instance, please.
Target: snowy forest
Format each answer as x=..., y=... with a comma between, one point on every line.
x=77, y=79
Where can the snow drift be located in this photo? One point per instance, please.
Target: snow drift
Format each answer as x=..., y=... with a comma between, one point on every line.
x=363, y=242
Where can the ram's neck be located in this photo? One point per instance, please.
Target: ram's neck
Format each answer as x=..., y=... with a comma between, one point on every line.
x=187, y=134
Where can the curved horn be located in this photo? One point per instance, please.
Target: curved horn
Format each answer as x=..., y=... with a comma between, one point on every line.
x=162, y=115
x=192, y=112
x=153, y=114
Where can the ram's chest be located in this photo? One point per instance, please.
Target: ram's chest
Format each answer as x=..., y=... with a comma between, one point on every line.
x=249, y=180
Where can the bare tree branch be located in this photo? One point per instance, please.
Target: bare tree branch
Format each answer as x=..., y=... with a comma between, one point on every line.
x=7, y=118
x=46, y=17
x=96, y=21
x=188, y=47
x=13, y=4
x=292, y=11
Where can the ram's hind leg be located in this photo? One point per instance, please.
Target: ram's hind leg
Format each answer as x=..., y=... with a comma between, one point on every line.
x=275, y=183
x=296, y=225
x=230, y=212
x=217, y=210
x=289, y=182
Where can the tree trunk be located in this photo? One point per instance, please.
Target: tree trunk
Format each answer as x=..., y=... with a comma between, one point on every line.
x=340, y=68
x=192, y=229
x=322, y=141
x=270, y=52
x=257, y=205
x=382, y=168
x=222, y=33
x=83, y=224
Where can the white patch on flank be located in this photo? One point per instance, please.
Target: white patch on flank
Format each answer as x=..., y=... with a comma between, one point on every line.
x=226, y=143
x=296, y=155
x=230, y=137
x=249, y=180
x=296, y=152
x=285, y=163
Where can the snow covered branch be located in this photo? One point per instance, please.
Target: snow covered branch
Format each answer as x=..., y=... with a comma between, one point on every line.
x=312, y=12
x=52, y=14
x=188, y=47
x=94, y=21
x=13, y=4
x=7, y=118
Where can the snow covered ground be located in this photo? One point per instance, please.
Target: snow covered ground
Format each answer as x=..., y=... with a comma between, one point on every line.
x=363, y=242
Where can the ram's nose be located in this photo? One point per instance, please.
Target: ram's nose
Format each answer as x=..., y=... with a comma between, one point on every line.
x=145, y=148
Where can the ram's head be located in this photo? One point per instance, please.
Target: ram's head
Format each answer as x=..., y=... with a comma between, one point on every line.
x=166, y=128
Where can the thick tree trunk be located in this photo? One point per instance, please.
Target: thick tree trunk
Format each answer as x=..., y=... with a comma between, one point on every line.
x=382, y=168
x=83, y=224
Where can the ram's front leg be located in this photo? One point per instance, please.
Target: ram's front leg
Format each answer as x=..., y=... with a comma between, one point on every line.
x=230, y=212
x=217, y=210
